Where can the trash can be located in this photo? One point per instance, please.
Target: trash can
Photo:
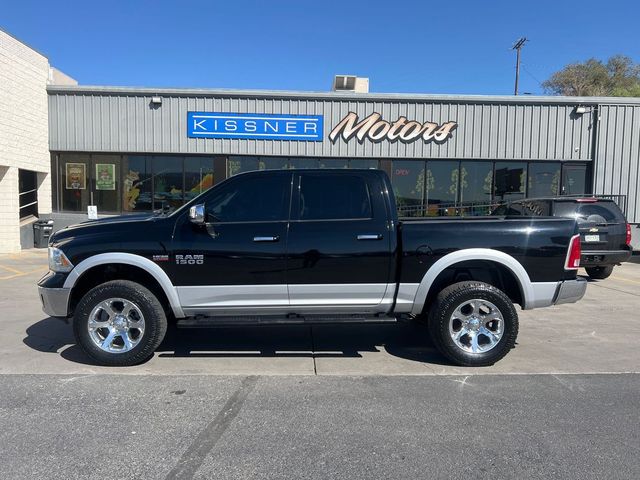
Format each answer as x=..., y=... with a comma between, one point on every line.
x=42, y=230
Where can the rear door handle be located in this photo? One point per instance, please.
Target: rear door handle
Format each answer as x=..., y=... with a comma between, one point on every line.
x=368, y=236
x=273, y=238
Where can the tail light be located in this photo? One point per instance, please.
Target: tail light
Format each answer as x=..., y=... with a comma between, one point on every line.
x=628, y=239
x=573, y=254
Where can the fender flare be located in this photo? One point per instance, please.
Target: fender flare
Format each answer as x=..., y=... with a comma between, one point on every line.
x=524, y=282
x=129, y=259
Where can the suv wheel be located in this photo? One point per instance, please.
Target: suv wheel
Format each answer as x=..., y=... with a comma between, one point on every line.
x=599, y=273
x=473, y=324
x=119, y=323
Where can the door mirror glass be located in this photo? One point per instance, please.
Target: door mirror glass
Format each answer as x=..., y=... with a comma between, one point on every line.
x=197, y=214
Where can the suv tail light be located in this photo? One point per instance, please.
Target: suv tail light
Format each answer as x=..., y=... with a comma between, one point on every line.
x=573, y=254
x=628, y=239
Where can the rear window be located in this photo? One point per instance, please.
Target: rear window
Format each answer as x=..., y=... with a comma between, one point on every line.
x=598, y=212
x=525, y=208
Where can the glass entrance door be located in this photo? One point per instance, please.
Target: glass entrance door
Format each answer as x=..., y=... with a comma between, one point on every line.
x=574, y=179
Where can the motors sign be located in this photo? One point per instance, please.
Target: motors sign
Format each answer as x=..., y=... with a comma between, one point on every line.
x=263, y=126
x=375, y=129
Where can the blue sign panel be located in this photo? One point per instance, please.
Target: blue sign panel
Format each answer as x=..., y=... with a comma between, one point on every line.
x=265, y=126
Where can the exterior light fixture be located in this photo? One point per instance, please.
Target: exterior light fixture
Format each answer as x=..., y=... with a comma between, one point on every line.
x=580, y=109
x=156, y=100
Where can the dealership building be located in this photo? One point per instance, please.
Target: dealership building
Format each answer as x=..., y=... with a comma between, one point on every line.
x=125, y=150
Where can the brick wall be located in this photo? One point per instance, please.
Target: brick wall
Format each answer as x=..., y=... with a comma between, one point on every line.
x=24, y=141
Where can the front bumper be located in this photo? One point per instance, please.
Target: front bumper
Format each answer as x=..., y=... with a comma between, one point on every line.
x=55, y=301
x=570, y=291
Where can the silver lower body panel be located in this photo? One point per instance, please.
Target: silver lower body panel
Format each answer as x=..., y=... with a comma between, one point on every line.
x=55, y=301
x=570, y=291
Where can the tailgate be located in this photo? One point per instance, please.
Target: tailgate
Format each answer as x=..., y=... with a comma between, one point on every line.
x=602, y=236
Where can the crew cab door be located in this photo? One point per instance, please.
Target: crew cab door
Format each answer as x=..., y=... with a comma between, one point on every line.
x=237, y=259
x=339, y=252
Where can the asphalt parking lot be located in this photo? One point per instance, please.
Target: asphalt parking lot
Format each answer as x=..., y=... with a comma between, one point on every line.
x=326, y=401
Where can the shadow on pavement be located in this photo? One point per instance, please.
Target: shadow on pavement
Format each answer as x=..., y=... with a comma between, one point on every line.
x=404, y=340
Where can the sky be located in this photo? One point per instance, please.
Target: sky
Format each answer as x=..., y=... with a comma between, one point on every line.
x=410, y=46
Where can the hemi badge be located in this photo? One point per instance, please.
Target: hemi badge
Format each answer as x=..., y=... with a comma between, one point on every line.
x=161, y=258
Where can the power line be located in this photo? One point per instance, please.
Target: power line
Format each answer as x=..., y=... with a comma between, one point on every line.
x=531, y=75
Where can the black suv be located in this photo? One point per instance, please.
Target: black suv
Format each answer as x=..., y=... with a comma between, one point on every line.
x=604, y=232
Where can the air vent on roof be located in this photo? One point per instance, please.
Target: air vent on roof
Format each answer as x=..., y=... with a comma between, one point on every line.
x=350, y=83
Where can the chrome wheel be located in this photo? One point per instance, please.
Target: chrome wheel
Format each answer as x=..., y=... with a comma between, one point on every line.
x=116, y=325
x=476, y=326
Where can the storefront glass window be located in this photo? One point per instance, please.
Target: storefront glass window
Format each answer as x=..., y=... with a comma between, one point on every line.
x=475, y=187
x=75, y=177
x=334, y=163
x=544, y=179
x=238, y=165
x=106, y=182
x=509, y=181
x=441, y=187
x=303, y=163
x=574, y=179
x=136, y=183
x=407, y=177
x=167, y=182
x=198, y=176
x=271, y=163
x=363, y=163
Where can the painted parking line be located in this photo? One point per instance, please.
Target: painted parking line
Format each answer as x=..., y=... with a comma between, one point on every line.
x=22, y=274
x=11, y=269
x=623, y=279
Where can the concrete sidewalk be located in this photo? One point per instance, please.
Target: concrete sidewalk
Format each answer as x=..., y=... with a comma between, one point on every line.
x=592, y=336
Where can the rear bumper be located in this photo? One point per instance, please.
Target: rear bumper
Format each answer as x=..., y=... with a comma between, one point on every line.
x=55, y=301
x=570, y=291
x=593, y=258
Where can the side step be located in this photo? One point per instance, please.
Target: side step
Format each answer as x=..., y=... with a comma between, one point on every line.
x=201, y=321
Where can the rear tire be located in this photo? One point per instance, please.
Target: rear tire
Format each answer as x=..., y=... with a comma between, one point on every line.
x=473, y=324
x=119, y=323
x=599, y=273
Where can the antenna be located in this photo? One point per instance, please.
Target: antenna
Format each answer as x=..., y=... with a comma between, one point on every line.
x=517, y=46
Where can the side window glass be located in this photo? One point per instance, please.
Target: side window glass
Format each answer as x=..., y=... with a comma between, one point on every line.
x=334, y=197
x=250, y=199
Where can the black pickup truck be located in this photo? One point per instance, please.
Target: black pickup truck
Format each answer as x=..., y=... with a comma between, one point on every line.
x=306, y=246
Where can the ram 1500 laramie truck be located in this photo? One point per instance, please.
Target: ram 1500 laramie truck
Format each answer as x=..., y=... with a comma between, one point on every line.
x=301, y=246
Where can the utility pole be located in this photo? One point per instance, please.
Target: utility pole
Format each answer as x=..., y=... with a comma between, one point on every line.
x=517, y=46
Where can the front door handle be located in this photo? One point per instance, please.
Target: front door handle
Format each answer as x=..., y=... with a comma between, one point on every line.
x=273, y=238
x=373, y=236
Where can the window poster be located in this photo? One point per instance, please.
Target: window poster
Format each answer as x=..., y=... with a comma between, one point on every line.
x=75, y=176
x=105, y=176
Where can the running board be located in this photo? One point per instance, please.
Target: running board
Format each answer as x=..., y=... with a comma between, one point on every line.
x=201, y=321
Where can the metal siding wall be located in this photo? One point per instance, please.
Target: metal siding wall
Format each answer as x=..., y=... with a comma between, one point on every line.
x=617, y=170
x=127, y=123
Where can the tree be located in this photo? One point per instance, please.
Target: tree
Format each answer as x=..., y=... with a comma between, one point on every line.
x=619, y=77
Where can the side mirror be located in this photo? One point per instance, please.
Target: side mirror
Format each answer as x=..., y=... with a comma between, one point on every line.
x=197, y=214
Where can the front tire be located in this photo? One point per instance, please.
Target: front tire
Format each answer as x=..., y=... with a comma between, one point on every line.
x=119, y=323
x=473, y=324
x=599, y=273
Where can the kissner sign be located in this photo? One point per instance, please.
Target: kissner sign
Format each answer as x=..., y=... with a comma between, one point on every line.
x=264, y=126
x=375, y=129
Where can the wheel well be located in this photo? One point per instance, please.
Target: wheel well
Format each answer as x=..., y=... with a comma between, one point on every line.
x=486, y=271
x=116, y=271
